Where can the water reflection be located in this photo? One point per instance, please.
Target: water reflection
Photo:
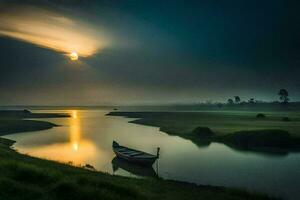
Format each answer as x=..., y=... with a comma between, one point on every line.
x=86, y=138
x=145, y=171
x=65, y=144
x=74, y=130
x=78, y=150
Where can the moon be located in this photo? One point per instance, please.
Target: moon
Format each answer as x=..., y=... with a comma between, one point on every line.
x=73, y=56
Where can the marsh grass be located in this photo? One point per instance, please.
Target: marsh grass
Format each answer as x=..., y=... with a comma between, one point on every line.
x=14, y=121
x=27, y=178
x=9, y=126
x=237, y=129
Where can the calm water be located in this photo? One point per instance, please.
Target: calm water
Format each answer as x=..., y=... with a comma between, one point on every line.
x=87, y=136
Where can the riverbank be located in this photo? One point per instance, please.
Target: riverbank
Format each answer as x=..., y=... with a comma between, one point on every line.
x=14, y=121
x=26, y=177
x=10, y=126
x=239, y=130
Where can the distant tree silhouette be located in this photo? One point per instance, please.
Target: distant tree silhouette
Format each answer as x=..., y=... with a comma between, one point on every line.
x=283, y=96
x=237, y=99
x=260, y=115
x=251, y=101
x=230, y=101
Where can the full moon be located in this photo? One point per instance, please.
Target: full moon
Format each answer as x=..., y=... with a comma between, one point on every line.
x=74, y=56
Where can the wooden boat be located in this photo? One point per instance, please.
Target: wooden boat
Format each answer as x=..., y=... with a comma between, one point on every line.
x=134, y=156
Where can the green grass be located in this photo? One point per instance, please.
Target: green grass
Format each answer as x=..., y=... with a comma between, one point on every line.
x=223, y=123
x=274, y=141
x=27, y=178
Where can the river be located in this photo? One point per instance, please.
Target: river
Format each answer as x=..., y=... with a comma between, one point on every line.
x=86, y=138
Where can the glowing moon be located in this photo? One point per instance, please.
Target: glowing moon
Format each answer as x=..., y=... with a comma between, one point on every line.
x=74, y=56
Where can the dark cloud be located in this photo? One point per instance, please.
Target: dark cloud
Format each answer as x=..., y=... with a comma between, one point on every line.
x=162, y=52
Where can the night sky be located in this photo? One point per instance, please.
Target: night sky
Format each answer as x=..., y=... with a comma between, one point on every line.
x=144, y=52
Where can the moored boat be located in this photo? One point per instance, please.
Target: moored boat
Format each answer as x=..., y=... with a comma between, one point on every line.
x=133, y=155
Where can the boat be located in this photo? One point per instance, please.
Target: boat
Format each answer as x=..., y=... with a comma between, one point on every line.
x=134, y=156
x=133, y=168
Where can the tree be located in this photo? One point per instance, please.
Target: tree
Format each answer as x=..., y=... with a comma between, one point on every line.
x=283, y=96
x=237, y=99
x=251, y=101
x=230, y=101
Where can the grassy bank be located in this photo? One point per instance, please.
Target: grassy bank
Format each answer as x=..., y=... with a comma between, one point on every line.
x=27, y=178
x=240, y=130
x=9, y=126
x=14, y=121
x=23, y=114
x=24, y=177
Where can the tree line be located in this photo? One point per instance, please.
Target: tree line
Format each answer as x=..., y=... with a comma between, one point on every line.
x=283, y=98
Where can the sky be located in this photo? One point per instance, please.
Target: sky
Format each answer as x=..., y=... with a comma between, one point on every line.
x=147, y=52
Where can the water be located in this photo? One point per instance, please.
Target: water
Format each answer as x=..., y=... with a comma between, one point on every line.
x=87, y=136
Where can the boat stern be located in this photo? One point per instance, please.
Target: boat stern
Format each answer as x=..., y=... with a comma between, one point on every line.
x=115, y=144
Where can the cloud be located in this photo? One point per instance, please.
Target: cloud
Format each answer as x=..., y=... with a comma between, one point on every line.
x=52, y=30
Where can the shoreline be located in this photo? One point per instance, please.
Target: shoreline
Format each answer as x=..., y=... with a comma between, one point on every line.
x=15, y=121
x=184, y=125
x=13, y=126
x=134, y=189
x=40, y=177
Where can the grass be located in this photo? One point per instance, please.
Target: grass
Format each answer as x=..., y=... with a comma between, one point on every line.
x=273, y=141
x=24, y=177
x=9, y=126
x=22, y=114
x=14, y=121
x=28, y=178
x=227, y=125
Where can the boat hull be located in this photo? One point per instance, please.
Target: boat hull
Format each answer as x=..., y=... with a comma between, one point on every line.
x=132, y=155
x=140, y=161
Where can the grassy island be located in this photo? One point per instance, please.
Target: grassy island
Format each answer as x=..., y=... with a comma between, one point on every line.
x=238, y=129
x=14, y=121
